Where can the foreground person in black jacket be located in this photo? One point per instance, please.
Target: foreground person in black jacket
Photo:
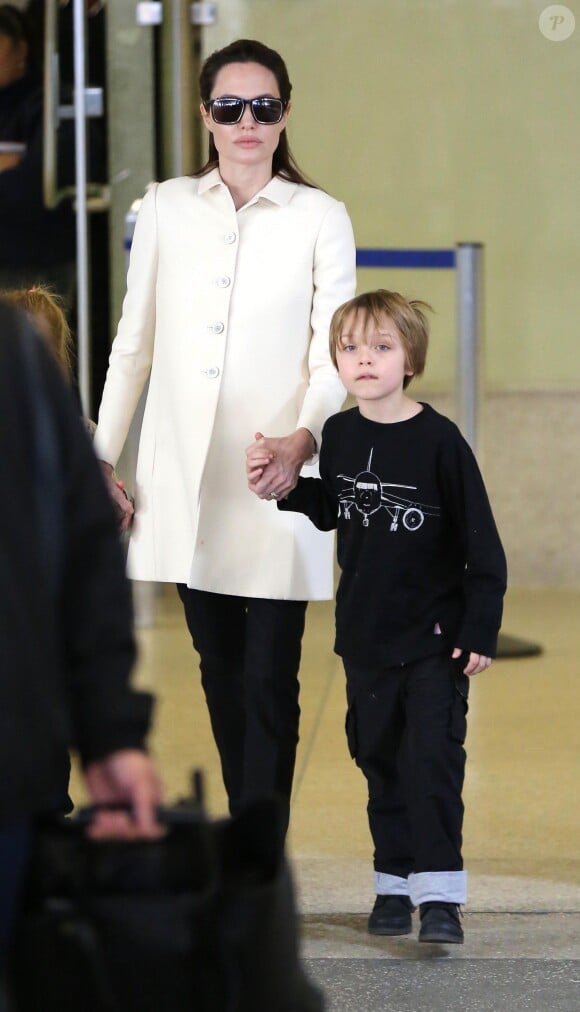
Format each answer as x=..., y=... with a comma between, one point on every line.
x=66, y=640
x=418, y=606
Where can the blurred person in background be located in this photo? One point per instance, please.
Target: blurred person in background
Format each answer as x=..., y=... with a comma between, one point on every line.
x=97, y=163
x=37, y=245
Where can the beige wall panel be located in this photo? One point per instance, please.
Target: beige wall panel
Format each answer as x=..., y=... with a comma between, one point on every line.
x=131, y=130
x=438, y=122
x=530, y=465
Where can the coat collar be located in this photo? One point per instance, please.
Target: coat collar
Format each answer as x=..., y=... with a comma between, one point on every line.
x=277, y=190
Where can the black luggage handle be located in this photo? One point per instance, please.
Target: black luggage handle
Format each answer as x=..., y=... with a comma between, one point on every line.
x=188, y=810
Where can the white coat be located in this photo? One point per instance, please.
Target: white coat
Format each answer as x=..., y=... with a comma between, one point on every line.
x=227, y=313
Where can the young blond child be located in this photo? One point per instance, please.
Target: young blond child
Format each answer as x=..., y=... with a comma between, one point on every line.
x=418, y=605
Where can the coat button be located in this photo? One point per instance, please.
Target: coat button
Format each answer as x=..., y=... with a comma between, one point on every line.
x=216, y=328
x=223, y=281
x=230, y=237
x=212, y=372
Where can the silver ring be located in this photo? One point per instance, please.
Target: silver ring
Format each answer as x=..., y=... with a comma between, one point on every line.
x=273, y=495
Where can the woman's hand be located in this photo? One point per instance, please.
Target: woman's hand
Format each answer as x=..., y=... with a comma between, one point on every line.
x=273, y=463
x=121, y=501
x=475, y=664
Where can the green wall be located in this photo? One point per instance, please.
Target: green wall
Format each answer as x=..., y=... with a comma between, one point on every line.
x=439, y=122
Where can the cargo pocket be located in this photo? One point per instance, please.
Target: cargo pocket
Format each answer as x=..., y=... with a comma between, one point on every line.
x=460, y=705
x=461, y=694
x=351, y=732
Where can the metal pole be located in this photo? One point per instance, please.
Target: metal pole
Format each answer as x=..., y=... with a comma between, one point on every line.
x=470, y=359
x=177, y=91
x=470, y=337
x=84, y=351
x=51, y=103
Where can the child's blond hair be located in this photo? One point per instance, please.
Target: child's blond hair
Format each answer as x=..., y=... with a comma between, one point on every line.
x=46, y=307
x=407, y=315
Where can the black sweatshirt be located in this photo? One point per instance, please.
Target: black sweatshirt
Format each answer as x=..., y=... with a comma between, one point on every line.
x=423, y=568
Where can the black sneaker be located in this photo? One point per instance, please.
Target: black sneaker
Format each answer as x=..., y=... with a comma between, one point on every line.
x=441, y=922
x=391, y=915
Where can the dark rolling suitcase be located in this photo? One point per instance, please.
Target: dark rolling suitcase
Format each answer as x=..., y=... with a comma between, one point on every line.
x=202, y=920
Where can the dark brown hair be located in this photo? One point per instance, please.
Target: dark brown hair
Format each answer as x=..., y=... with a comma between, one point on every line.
x=407, y=315
x=13, y=24
x=18, y=26
x=251, y=51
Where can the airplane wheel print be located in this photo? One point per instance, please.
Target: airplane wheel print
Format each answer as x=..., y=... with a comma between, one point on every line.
x=412, y=519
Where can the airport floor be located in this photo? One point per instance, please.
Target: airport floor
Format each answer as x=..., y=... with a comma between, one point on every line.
x=522, y=825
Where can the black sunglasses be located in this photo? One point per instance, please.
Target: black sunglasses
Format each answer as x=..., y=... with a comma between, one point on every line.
x=229, y=109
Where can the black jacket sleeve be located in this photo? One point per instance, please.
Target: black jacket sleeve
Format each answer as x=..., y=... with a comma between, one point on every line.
x=310, y=497
x=96, y=607
x=315, y=497
x=66, y=641
x=87, y=596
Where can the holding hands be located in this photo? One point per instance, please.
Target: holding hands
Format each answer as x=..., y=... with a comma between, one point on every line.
x=273, y=463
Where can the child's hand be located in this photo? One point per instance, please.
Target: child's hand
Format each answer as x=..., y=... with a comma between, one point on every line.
x=475, y=664
x=274, y=462
x=257, y=459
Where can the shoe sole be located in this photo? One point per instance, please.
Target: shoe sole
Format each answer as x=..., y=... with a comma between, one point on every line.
x=433, y=936
x=393, y=932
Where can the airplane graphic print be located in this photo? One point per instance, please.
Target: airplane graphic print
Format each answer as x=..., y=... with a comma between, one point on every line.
x=368, y=494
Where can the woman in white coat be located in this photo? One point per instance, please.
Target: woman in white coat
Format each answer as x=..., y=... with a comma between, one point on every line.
x=234, y=275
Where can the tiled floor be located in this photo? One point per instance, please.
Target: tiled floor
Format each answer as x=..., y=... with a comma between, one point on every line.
x=522, y=827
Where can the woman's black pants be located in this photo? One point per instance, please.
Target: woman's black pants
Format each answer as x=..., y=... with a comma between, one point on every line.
x=249, y=659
